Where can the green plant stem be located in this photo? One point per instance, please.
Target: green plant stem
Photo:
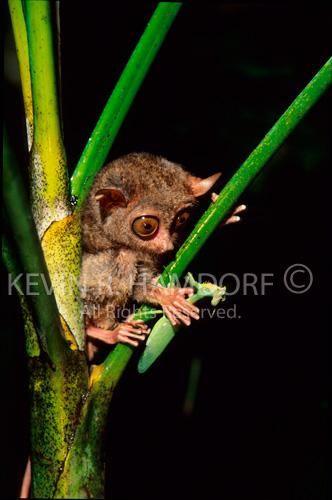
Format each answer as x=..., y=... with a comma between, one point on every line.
x=58, y=230
x=31, y=257
x=8, y=256
x=104, y=134
x=48, y=171
x=111, y=370
x=13, y=269
x=248, y=171
x=55, y=392
x=22, y=51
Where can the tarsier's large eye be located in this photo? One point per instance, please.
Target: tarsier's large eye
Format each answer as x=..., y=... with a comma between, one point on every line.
x=145, y=226
x=181, y=220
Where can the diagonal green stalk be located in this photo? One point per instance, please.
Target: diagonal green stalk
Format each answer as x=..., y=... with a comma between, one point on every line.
x=108, y=373
x=248, y=171
x=115, y=111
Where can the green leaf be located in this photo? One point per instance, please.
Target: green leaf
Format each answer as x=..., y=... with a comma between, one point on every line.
x=163, y=331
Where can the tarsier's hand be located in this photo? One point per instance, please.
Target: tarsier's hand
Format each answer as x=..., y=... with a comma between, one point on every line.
x=130, y=332
x=175, y=306
x=232, y=217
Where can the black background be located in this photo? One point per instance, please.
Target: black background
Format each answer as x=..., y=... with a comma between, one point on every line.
x=223, y=76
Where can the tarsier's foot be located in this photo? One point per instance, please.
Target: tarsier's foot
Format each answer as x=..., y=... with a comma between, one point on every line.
x=130, y=332
x=26, y=484
x=175, y=306
x=232, y=217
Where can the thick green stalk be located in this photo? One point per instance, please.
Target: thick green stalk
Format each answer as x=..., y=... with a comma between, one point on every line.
x=38, y=283
x=105, y=132
x=87, y=452
x=58, y=229
x=55, y=391
x=48, y=172
x=22, y=51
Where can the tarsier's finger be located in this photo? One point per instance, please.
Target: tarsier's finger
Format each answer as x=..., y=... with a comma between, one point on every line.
x=167, y=310
x=240, y=208
x=108, y=336
x=127, y=328
x=126, y=340
x=187, y=308
x=234, y=218
x=185, y=291
x=139, y=333
x=231, y=220
x=183, y=318
x=179, y=316
x=130, y=319
x=133, y=335
x=191, y=306
x=137, y=324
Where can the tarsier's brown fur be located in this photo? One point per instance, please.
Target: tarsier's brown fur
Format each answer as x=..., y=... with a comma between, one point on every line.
x=120, y=267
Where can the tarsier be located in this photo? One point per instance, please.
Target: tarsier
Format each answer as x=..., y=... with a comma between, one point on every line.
x=135, y=215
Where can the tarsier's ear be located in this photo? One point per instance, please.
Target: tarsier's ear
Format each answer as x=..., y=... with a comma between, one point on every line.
x=110, y=197
x=201, y=186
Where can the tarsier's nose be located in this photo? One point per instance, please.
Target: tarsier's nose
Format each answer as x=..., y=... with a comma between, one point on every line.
x=167, y=246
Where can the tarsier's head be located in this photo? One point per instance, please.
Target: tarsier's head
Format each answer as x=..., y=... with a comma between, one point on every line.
x=143, y=202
